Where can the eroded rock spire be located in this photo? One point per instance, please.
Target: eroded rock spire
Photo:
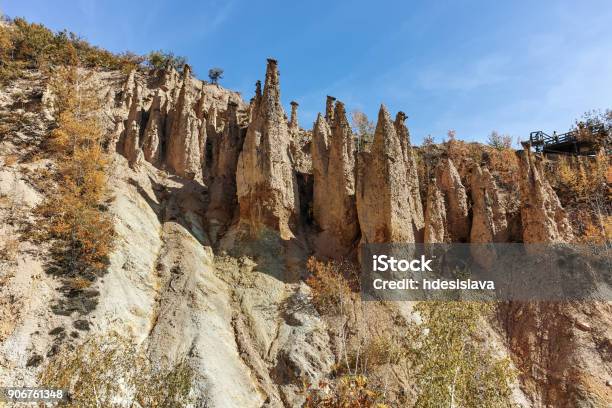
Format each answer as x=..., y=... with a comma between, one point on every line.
x=154, y=132
x=489, y=222
x=382, y=191
x=293, y=121
x=319, y=151
x=329, y=109
x=334, y=196
x=435, y=215
x=183, y=153
x=266, y=184
x=131, y=139
x=542, y=217
x=455, y=198
x=412, y=176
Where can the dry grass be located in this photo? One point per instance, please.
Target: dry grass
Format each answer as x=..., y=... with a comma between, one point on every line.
x=10, y=159
x=345, y=392
x=78, y=283
x=9, y=250
x=331, y=284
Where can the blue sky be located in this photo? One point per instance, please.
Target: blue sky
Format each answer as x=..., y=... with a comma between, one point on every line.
x=473, y=66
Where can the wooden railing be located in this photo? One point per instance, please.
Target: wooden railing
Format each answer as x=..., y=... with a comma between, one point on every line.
x=540, y=140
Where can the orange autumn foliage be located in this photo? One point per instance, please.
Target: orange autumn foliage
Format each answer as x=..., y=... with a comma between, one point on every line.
x=73, y=213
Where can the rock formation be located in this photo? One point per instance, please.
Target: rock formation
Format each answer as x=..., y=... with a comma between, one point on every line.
x=184, y=139
x=329, y=109
x=266, y=185
x=222, y=189
x=543, y=218
x=154, y=132
x=382, y=189
x=455, y=198
x=319, y=150
x=250, y=332
x=334, y=196
x=489, y=222
x=131, y=139
x=293, y=121
x=435, y=216
x=412, y=177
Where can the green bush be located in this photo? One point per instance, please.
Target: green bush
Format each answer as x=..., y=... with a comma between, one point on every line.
x=165, y=60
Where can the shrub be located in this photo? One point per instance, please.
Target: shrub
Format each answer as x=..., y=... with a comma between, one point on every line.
x=165, y=60
x=100, y=371
x=429, y=140
x=499, y=141
x=9, y=250
x=345, y=392
x=451, y=367
x=331, y=284
x=26, y=45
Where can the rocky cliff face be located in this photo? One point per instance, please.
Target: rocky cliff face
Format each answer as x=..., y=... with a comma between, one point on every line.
x=195, y=164
x=187, y=135
x=168, y=118
x=222, y=188
x=489, y=223
x=266, y=184
x=542, y=216
x=455, y=198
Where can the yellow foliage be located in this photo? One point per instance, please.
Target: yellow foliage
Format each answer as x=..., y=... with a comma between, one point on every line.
x=72, y=213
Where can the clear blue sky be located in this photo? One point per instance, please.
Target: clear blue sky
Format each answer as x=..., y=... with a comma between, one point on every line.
x=472, y=66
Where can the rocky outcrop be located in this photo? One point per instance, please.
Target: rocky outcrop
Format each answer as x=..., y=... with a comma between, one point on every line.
x=184, y=140
x=435, y=216
x=542, y=217
x=154, y=132
x=131, y=144
x=412, y=177
x=168, y=117
x=334, y=179
x=382, y=190
x=329, y=109
x=455, y=199
x=293, y=121
x=222, y=189
x=489, y=222
x=266, y=185
x=319, y=151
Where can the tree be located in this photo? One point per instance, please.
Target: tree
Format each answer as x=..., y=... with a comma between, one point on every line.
x=82, y=232
x=215, y=74
x=363, y=128
x=499, y=141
